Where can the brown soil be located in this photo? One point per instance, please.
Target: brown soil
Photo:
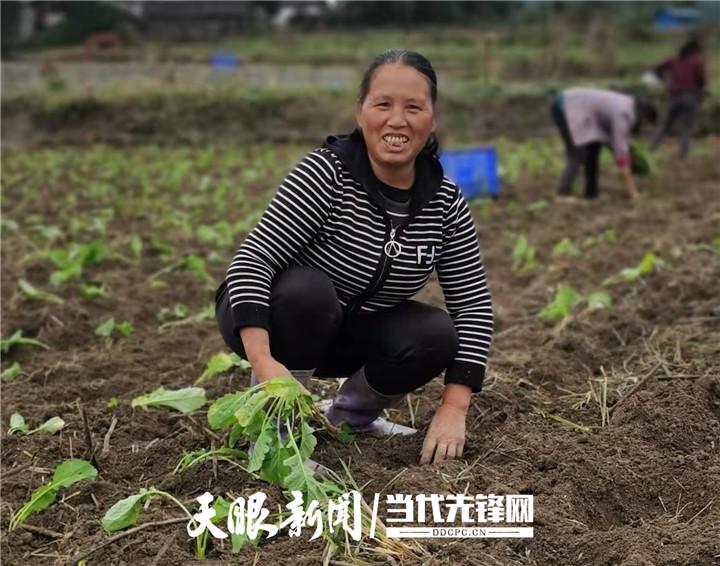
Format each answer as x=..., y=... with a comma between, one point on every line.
x=640, y=491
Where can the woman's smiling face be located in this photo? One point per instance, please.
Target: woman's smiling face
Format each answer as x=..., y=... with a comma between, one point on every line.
x=397, y=116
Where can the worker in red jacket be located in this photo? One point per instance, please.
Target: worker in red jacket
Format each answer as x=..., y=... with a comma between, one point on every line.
x=685, y=78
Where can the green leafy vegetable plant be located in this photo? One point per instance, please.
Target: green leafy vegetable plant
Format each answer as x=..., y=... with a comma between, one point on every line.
x=565, y=247
x=277, y=417
x=648, y=263
x=259, y=414
x=125, y=513
x=208, y=313
x=177, y=311
x=565, y=300
x=70, y=263
x=125, y=328
x=11, y=373
x=94, y=290
x=17, y=339
x=523, y=255
x=50, y=426
x=136, y=246
x=184, y=400
x=598, y=300
x=106, y=328
x=609, y=236
x=193, y=263
x=712, y=247
x=66, y=474
x=641, y=159
x=32, y=293
x=220, y=363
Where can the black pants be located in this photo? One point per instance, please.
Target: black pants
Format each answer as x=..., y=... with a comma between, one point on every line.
x=576, y=155
x=402, y=347
x=687, y=106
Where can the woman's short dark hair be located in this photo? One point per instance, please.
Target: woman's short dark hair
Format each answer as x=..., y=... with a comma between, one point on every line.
x=412, y=59
x=645, y=112
x=691, y=47
x=402, y=57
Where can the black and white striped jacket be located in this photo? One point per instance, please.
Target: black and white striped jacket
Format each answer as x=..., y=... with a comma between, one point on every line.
x=327, y=214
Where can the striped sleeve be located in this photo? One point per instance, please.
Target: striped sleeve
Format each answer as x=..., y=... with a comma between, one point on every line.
x=461, y=274
x=291, y=220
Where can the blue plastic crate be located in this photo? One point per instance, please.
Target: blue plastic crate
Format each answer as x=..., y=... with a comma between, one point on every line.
x=224, y=60
x=475, y=170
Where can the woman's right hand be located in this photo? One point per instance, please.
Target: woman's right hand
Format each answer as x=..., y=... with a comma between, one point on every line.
x=267, y=368
x=256, y=342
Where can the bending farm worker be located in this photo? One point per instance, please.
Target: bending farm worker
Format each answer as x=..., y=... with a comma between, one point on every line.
x=322, y=285
x=587, y=119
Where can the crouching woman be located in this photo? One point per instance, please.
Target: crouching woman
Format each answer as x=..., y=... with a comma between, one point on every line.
x=322, y=285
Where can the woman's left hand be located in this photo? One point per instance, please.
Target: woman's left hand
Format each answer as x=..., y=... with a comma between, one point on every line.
x=446, y=436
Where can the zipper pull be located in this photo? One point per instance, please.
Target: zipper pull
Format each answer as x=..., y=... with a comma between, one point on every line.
x=392, y=248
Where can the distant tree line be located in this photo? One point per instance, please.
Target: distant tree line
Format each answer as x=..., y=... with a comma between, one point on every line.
x=46, y=23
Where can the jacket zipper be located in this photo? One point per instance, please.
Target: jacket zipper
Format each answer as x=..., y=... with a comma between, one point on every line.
x=383, y=268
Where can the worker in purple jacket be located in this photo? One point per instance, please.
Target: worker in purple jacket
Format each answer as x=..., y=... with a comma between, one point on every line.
x=587, y=119
x=685, y=79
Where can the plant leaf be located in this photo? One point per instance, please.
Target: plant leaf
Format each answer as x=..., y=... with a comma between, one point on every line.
x=17, y=339
x=136, y=245
x=17, y=424
x=66, y=474
x=105, y=328
x=302, y=479
x=275, y=470
x=630, y=274
x=50, y=426
x=32, y=293
x=262, y=447
x=519, y=252
x=235, y=435
x=649, y=261
x=73, y=471
x=94, y=290
x=184, y=400
x=222, y=510
x=220, y=363
x=247, y=410
x=307, y=440
x=40, y=499
x=196, y=264
x=345, y=434
x=565, y=247
x=562, y=305
x=125, y=328
x=599, y=300
x=221, y=413
x=60, y=276
x=124, y=513
x=11, y=373
x=284, y=386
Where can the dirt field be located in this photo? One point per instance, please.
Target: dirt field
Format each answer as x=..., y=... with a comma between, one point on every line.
x=639, y=491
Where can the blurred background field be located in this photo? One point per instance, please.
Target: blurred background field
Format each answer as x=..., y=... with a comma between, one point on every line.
x=255, y=75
